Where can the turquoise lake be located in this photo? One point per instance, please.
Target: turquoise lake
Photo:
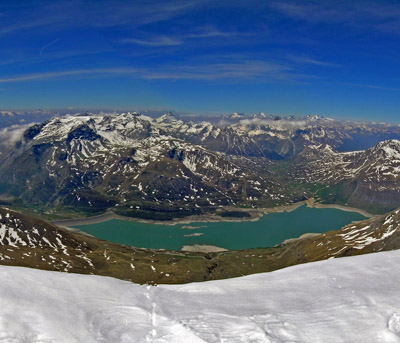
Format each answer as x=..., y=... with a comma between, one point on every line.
x=270, y=230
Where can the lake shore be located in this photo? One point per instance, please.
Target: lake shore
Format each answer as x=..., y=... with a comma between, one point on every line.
x=255, y=214
x=343, y=208
x=202, y=248
x=304, y=236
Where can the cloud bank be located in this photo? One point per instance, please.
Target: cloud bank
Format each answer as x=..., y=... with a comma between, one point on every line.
x=13, y=134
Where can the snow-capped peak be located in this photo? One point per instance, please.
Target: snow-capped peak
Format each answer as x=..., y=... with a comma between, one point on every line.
x=237, y=115
x=167, y=118
x=314, y=117
x=390, y=149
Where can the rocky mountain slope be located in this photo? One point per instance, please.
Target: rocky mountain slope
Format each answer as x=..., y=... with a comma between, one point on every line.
x=96, y=162
x=287, y=137
x=368, y=179
x=31, y=242
x=381, y=233
x=167, y=167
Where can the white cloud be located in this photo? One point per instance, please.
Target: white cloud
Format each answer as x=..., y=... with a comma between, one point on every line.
x=154, y=42
x=11, y=135
x=60, y=74
x=244, y=70
x=250, y=69
x=279, y=124
x=361, y=14
x=48, y=45
x=373, y=86
x=205, y=32
x=137, y=13
x=53, y=15
x=312, y=61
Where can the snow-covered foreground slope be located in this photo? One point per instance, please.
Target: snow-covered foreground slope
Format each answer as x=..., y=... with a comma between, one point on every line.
x=354, y=299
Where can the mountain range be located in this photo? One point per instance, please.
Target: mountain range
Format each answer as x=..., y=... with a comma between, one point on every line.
x=166, y=167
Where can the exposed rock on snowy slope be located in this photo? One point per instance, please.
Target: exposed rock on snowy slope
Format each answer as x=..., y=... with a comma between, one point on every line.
x=169, y=167
x=375, y=234
x=30, y=242
x=38, y=242
x=96, y=162
x=340, y=300
x=381, y=233
x=368, y=179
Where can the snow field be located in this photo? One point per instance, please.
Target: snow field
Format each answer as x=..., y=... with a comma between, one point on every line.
x=353, y=299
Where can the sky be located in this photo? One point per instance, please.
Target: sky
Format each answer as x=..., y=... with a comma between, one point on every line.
x=339, y=59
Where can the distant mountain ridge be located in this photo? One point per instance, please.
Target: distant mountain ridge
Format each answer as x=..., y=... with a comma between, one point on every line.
x=361, y=178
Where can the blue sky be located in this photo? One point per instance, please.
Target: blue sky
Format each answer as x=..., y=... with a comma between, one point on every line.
x=334, y=58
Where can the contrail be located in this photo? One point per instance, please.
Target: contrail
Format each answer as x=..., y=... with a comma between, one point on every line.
x=50, y=44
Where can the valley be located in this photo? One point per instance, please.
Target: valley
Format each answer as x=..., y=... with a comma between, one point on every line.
x=169, y=171
x=31, y=242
